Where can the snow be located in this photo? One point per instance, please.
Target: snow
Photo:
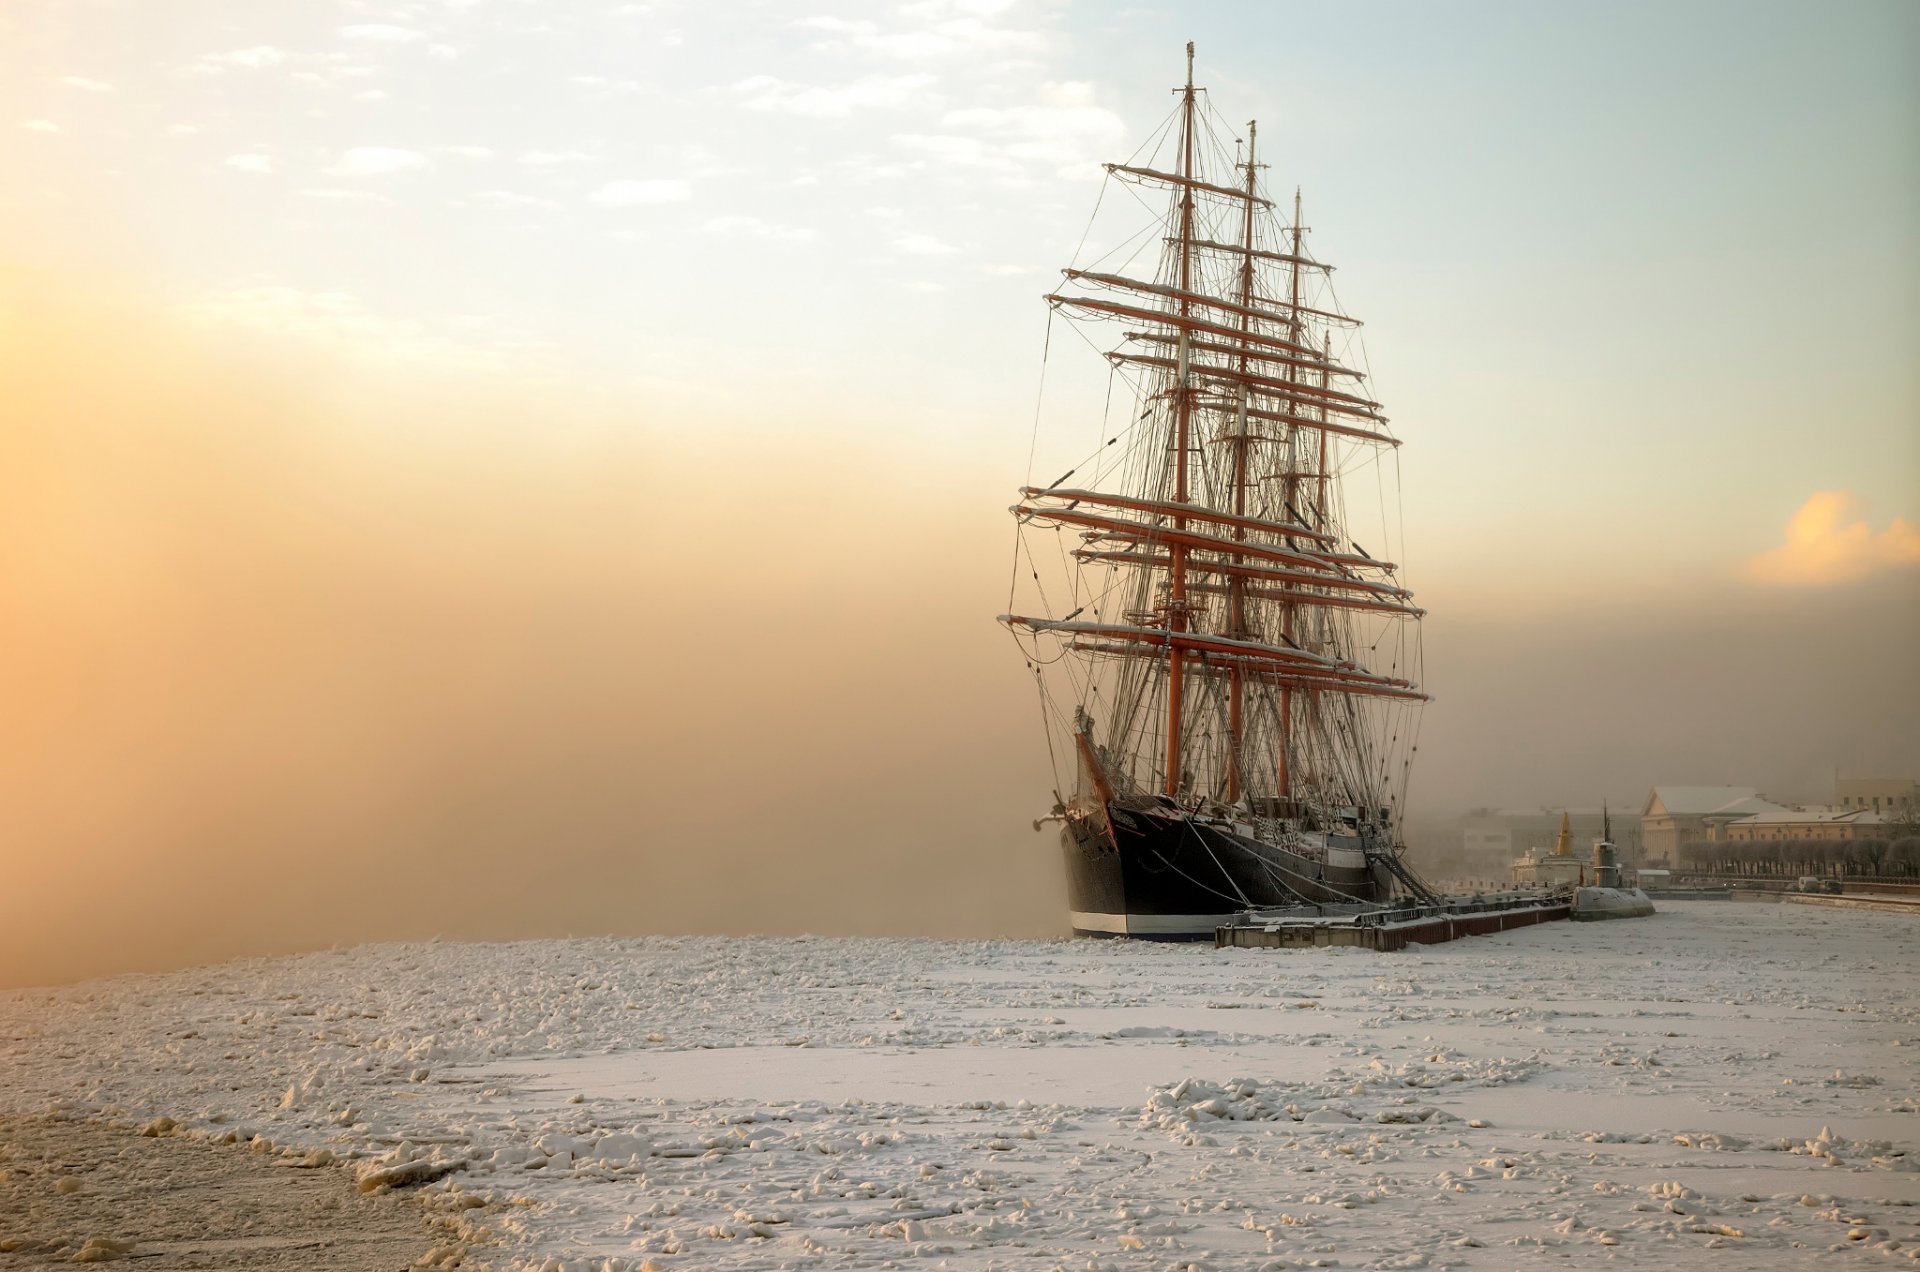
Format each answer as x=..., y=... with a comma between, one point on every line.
x=1729, y=1084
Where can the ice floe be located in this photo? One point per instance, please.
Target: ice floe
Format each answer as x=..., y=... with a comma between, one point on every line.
x=1727, y=1084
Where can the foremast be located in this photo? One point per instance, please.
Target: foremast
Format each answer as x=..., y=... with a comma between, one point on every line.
x=1183, y=423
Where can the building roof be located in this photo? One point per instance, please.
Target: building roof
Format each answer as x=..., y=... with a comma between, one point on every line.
x=1548, y=817
x=1750, y=807
x=1813, y=817
x=1694, y=801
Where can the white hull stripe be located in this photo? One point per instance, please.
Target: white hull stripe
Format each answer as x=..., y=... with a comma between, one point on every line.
x=1148, y=924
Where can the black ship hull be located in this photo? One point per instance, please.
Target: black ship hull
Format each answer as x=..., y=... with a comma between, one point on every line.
x=1162, y=874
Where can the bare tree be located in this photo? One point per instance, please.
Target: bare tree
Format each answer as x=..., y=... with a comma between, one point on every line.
x=1904, y=854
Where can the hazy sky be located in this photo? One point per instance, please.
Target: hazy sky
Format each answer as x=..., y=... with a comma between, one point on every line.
x=444, y=436
x=1665, y=248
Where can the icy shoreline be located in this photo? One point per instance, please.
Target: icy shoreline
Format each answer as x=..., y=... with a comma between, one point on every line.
x=1736, y=1081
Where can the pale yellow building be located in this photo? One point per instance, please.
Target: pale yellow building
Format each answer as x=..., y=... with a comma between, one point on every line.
x=1894, y=795
x=1804, y=823
x=1676, y=815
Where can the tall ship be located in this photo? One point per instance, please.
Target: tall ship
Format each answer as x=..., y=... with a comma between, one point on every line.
x=1228, y=677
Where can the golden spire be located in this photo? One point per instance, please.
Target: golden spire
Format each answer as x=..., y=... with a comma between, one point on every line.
x=1563, y=846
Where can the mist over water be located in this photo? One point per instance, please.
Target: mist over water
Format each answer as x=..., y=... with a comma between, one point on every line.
x=1686, y=682
x=286, y=670
x=301, y=652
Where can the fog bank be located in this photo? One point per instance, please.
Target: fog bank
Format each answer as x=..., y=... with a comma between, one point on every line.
x=301, y=650
x=300, y=653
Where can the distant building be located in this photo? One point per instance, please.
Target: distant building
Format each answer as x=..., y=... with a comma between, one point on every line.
x=1559, y=868
x=1675, y=815
x=1804, y=823
x=1876, y=794
x=1494, y=837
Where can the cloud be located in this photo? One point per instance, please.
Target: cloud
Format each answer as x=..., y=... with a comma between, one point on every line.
x=947, y=32
x=739, y=226
x=813, y=101
x=626, y=194
x=336, y=195
x=514, y=199
x=341, y=323
x=923, y=245
x=601, y=86
x=548, y=158
x=40, y=125
x=956, y=151
x=250, y=163
x=1830, y=541
x=1063, y=128
x=86, y=85
x=969, y=8
x=476, y=153
x=865, y=169
x=258, y=57
x=274, y=306
x=381, y=33
x=857, y=27
x=377, y=161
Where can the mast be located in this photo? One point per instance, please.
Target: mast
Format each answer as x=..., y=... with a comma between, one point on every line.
x=1237, y=585
x=1283, y=767
x=1320, y=466
x=1182, y=414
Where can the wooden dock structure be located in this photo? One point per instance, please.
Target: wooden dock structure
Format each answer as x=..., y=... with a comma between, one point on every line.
x=1389, y=930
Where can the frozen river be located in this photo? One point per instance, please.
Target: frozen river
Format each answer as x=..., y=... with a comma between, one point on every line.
x=1721, y=1085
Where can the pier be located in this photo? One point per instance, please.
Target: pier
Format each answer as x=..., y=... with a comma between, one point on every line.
x=1885, y=902
x=1389, y=929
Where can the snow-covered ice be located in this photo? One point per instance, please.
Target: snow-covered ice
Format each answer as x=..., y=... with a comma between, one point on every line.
x=1731, y=1084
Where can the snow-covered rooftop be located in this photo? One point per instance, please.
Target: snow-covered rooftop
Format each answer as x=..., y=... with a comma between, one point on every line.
x=1752, y=806
x=1812, y=817
x=1696, y=801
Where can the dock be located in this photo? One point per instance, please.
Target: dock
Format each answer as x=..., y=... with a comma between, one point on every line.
x=1886, y=903
x=1387, y=929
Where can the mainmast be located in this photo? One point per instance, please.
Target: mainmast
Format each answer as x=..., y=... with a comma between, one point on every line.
x=1236, y=584
x=1183, y=415
x=1283, y=767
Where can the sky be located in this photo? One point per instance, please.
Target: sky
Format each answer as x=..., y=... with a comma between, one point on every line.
x=492, y=468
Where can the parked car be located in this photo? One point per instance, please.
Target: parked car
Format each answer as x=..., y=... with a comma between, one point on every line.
x=1807, y=883
x=1830, y=885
